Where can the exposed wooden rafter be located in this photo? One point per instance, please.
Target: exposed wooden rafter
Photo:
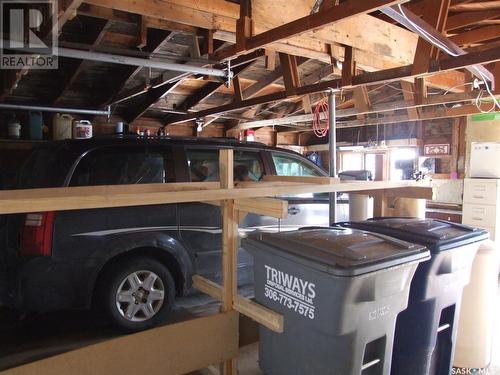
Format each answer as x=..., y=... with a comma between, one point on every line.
x=349, y=8
x=155, y=40
x=98, y=30
x=66, y=12
x=362, y=79
x=435, y=15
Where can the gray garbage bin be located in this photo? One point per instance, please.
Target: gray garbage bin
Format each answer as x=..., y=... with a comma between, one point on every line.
x=427, y=329
x=339, y=291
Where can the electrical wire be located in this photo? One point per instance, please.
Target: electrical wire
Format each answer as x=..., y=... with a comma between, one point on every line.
x=320, y=127
x=431, y=39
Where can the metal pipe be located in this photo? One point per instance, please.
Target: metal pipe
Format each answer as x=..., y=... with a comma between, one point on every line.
x=332, y=148
x=94, y=112
x=127, y=60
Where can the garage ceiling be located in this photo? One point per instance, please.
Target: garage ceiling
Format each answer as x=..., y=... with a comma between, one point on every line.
x=269, y=62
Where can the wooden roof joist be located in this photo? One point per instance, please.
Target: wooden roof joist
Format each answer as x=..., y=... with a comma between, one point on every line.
x=343, y=11
x=387, y=75
x=380, y=108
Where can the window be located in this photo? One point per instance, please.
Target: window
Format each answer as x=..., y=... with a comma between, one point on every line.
x=287, y=165
x=120, y=165
x=247, y=166
x=204, y=165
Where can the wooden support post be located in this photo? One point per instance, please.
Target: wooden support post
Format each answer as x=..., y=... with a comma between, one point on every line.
x=229, y=245
x=207, y=47
x=348, y=67
x=244, y=25
x=409, y=94
x=238, y=95
x=270, y=59
x=142, y=33
x=290, y=72
x=455, y=135
x=420, y=90
x=361, y=100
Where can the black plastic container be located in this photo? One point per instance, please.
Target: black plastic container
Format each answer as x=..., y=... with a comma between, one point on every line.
x=426, y=331
x=339, y=291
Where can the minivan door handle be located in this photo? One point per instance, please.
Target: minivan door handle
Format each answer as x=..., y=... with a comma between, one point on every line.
x=293, y=210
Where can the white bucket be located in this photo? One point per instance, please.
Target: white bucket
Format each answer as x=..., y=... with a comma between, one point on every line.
x=82, y=129
x=62, y=126
x=14, y=130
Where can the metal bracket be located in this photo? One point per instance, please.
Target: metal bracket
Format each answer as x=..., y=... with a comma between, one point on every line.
x=228, y=74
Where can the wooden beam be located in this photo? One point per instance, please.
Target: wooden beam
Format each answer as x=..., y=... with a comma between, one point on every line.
x=430, y=114
x=348, y=66
x=260, y=314
x=71, y=198
x=206, y=91
x=208, y=339
x=150, y=97
x=434, y=100
x=226, y=169
x=345, y=10
x=470, y=18
x=253, y=310
x=361, y=79
x=220, y=16
x=478, y=35
x=420, y=89
x=238, y=94
x=290, y=73
x=302, y=179
x=96, y=34
x=270, y=59
x=66, y=12
x=142, y=33
x=156, y=40
x=409, y=95
x=361, y=100
x=436, y=13
x=267, y=80
x=277, y=208
x=230, y=222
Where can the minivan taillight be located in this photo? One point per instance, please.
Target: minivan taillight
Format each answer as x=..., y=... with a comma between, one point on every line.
x=36, y=238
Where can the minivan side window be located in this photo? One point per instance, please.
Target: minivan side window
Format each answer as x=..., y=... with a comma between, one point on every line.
x=122, y=165
x=204, y=165
x=288, y=165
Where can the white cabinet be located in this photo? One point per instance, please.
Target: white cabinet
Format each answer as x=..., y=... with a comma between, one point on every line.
x=481, y=206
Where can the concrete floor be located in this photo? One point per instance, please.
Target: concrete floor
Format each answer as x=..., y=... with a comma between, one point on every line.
x=49, y=334
x=248, y=359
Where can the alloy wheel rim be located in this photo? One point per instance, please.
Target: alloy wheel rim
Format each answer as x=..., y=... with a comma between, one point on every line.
x=140, y=296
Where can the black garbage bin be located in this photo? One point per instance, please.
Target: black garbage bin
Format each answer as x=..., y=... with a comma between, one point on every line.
x=426, y=331
x=339, y=291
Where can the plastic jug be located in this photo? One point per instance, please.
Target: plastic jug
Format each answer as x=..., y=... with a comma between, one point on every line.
x=14, y=128
x=82, y=129
x=62, y=126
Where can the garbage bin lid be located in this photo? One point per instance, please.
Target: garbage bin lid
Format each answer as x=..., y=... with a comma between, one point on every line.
x=338, y=251
x=437, y=235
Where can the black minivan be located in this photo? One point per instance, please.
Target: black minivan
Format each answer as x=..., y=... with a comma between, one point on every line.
x=133, y=261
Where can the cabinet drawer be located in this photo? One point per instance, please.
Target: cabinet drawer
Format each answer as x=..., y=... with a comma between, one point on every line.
x=481, y=191
x=479, y=215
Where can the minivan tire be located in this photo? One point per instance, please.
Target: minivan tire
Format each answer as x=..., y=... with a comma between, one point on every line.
x=130, y=300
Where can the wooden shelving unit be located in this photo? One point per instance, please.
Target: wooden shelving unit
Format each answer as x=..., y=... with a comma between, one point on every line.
x=180, y=348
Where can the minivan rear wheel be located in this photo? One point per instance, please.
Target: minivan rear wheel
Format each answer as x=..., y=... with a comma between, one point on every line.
x=138, y=294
